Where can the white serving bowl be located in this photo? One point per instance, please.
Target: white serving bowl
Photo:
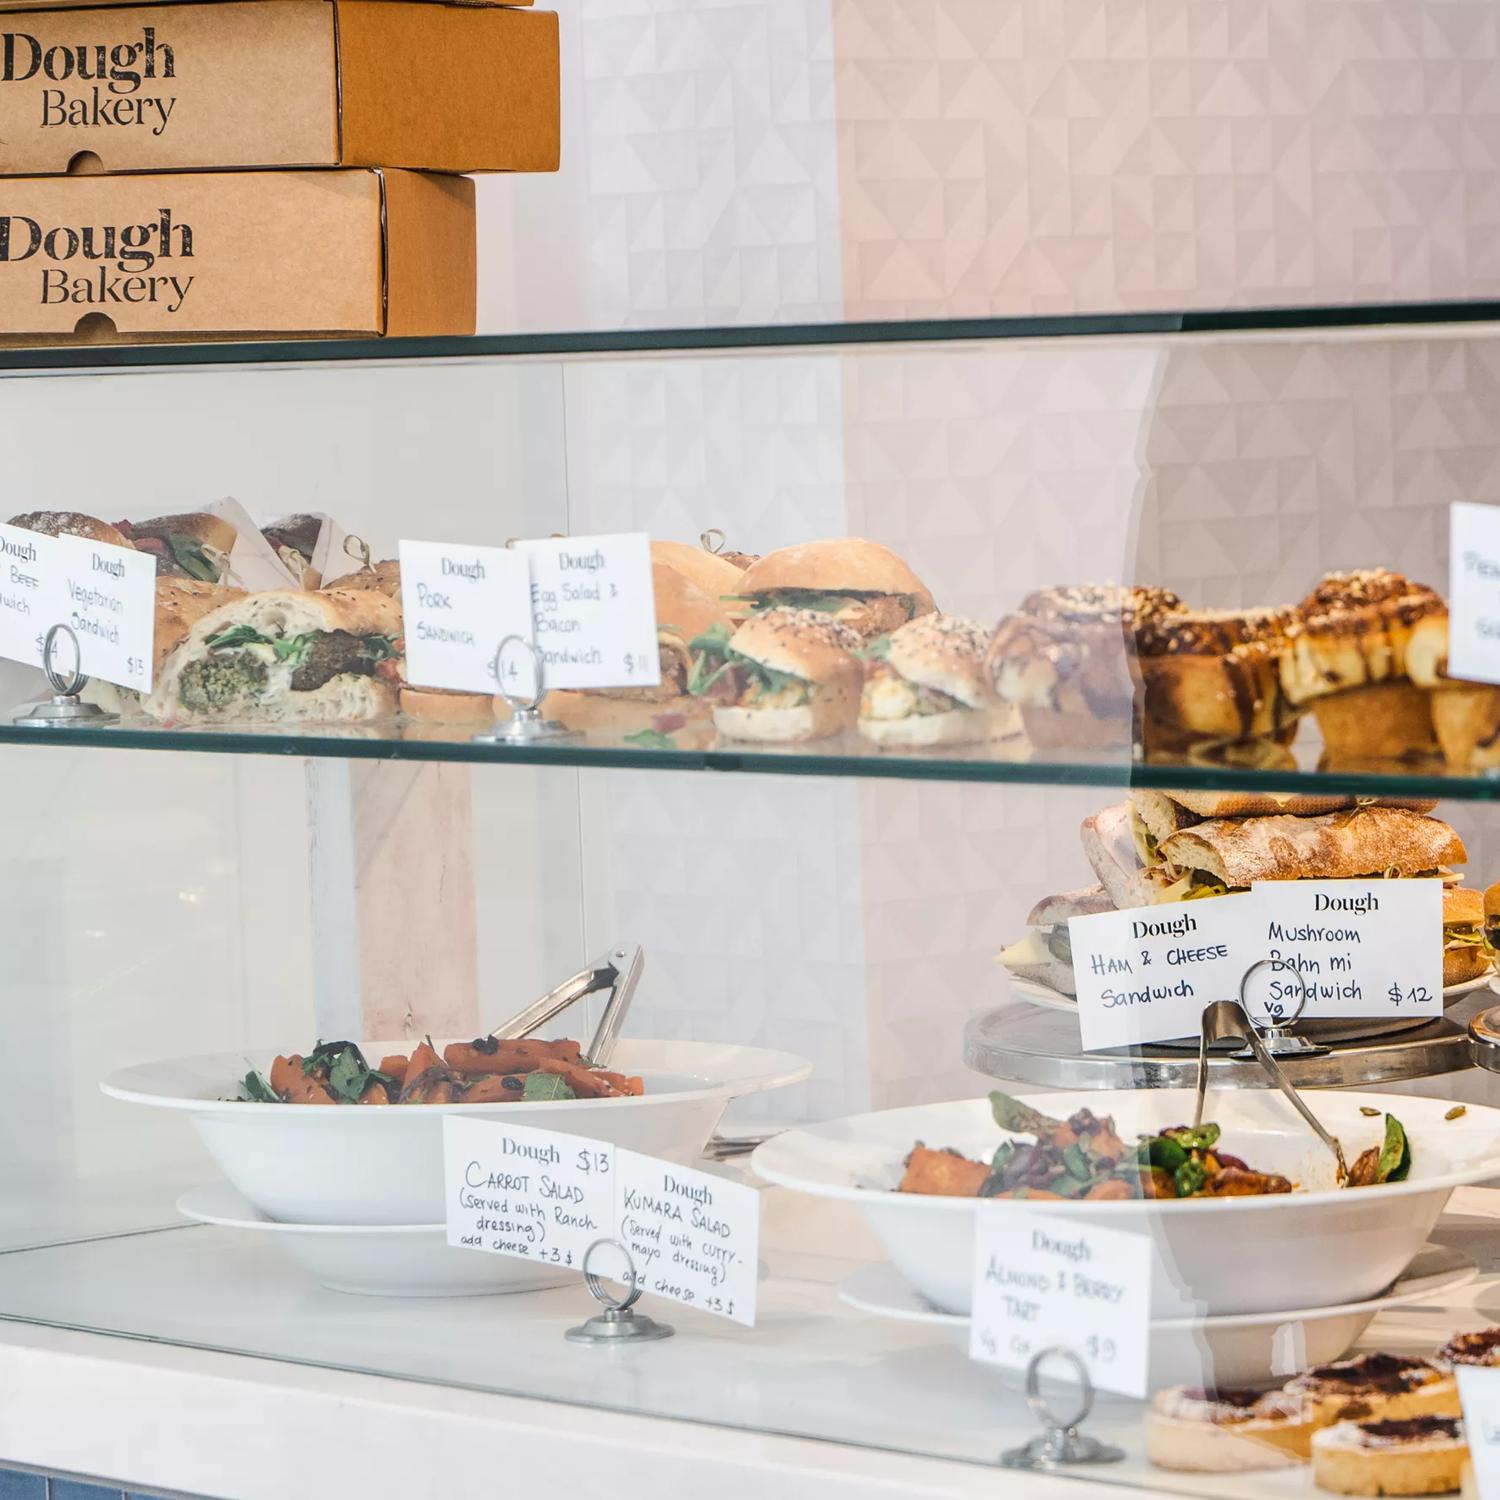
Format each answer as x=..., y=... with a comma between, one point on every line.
x=353, y=1165
x=374, y=1260
x=1213, y=1256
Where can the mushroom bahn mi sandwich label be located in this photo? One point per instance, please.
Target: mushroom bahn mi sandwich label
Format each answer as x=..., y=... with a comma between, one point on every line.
x=1360, y=947
x=1146, y=973
x=1041, y=1283
x=315, y=83
x=594, y=610
x=105, y=594
x=543, y=1196
x=150, y=257
x=459, y=603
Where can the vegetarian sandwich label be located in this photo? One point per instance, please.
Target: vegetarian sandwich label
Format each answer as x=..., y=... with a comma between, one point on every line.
x=546, y=1197
x=1347, y=948
x=105, y=595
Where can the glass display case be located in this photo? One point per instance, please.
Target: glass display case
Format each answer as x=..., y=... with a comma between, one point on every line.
x=1141, y=515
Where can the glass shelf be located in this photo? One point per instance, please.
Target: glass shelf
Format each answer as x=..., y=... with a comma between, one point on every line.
x=1008, y=762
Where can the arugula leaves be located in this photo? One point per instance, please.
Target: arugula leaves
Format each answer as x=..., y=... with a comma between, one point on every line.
x=546, y=1086
x=255, y=1090
x=377, y=647
x=348, y=1072
x=288, y=648
x=651, y=739
x=236, y=635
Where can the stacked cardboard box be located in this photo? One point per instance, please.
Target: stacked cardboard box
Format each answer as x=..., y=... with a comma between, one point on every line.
x=258, y=168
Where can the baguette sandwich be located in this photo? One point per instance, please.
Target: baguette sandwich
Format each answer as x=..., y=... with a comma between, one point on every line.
x=1045, y=954
x=294, y=539
x=382, y=578
x=283, y=657
x=785, y=675
x=72, y=523
x=859, y=583
x=926, y=684
x=192, y=545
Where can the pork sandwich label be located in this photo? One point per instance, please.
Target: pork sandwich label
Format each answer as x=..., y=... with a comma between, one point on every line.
x=94, y=85
x=101, y=265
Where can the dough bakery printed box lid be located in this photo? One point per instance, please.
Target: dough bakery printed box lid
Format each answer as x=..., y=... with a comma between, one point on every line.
x=313, y=83
x=235, y=255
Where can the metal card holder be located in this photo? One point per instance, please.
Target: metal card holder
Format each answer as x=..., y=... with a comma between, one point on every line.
x=65, y=709
x=1061, y=1444
x=527, y=725
x=619, y=1323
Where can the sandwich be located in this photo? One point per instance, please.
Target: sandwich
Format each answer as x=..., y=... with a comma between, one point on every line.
x=1468, y=953
x=785, y=675
x=285, y=656
x=294, y=539
x=1346, y=656
x=714, y=574
x=1045, y=954
x=193, y=545
x=926, y=684
x=684, y=614
x=180, y=604
x=1212, y=676
x=1178, y=846
x=382, y=578
x=1066, y=660
x=858, y=583
x=72, y=523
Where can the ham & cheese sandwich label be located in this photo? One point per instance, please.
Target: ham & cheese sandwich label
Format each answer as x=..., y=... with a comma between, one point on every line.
x=1355, y=948
x=546, y=1197
x=105, y=595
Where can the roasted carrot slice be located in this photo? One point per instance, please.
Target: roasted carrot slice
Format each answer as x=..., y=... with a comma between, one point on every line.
x=494, y=1088
x=395, y=1066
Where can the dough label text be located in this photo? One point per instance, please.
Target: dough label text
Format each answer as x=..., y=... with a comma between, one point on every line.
x=133, y=248
x=116, y=73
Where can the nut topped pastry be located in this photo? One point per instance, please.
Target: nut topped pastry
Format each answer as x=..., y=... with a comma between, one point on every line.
x=1224, y=1431
x=1066, y=660
x=1400, y=1456
x=1377, y=1387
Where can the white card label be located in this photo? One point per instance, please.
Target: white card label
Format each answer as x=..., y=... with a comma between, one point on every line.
x=1360, y=947
x=1474, y=591
x=595, y=610
x=694, y=1237
x=1041, y=1282
x=1145, y=974
x=1479, y=1395
x=459, y=602
x=544, y=1196
x=107, y=596
x=24, y=613
x=531, y=1194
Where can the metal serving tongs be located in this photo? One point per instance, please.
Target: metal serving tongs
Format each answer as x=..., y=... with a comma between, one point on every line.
x=618, y=972
x=1227, y=1020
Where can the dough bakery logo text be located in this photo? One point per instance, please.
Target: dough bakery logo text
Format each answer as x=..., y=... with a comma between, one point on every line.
x=126, y=254
x=116, y=73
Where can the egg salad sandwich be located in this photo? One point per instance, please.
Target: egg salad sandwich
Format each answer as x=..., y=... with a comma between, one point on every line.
x=785, y=675
x=286, y=656
x=927, y=684
x=858, y=583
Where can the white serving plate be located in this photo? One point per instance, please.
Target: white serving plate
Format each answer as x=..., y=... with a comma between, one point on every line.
x=374, y=1260
x=1239, y=1349
x=1046, y=997
x=1313, y=1248
x=347, y=1164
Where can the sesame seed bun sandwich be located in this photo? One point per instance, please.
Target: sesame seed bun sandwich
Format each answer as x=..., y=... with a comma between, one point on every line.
x=859, y=583
x=927, y=684
x=72, y=523
x=784, y=676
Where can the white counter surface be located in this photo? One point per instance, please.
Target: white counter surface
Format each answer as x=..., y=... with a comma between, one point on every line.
x=156, y=1415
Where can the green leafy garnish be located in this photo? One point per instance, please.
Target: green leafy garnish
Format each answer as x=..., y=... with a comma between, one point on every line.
x=877, y=650
x=1162, y=1151
x=348, y=1073
x=545, y=1086
x=651, y=739
x=191, y=558
x=236, y=635
x=1077, y=1163
x=1395, y=1153
x=377, y=647
x=255, y=1090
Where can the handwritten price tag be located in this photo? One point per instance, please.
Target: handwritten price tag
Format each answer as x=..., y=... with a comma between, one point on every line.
x=459, y=603
x=531, y=1194
x=1041, y=1282
x=595, y=610
x=24, y=610
x=1361, y=947
x=1145, y=974
x=544, y=1196
x=107, y=596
